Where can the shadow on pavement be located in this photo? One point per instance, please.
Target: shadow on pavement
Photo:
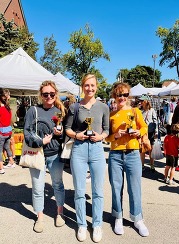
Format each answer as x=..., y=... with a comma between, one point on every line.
x=147, y=173
x=13, y=197
x=172, y=189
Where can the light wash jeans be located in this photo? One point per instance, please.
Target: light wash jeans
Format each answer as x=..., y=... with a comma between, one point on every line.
x=130, y=162
x=55, y=168
x=88, y=155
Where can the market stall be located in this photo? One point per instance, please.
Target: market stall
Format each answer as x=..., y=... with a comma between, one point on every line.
x=23, y=76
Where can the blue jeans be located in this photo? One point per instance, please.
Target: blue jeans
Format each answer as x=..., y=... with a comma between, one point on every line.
x=55, y=168
x=130, y=162
x=87, y=154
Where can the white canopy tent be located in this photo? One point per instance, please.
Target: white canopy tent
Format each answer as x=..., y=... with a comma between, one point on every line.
x=167, y=90
x=23, y=76
x=66, y=85
x=175, y=91
x=138, y=90
x=155, y=90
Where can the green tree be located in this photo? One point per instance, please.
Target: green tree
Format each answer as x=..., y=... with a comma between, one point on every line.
x=52, y=58
x=26, y=41
x=86, y=51
x=12, y=38
x=143, y=75
x=140, y=74
x=170, y=41
x=104, y=90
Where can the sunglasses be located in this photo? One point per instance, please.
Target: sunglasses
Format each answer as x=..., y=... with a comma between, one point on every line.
x=46, y=94
x=122, y=94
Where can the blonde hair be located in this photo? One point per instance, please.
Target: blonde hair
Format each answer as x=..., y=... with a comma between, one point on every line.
x=58, y=103
x=86, y=77
x=119, y=87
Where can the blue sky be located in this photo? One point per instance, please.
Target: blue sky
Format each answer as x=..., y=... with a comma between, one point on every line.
x=126, y=28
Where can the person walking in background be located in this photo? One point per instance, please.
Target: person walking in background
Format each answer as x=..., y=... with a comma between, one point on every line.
x=113, y=105
x=49, y=138
x=12, y=142
x=150, y=118
x=172, y=105
x=124, y=156
x=166, y=111
x=175, y=120
x=5, y=130
x=88, y=152
x=171, y=144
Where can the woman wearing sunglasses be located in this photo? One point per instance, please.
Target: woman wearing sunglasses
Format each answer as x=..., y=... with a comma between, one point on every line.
x=49, y=137
x=126, y=126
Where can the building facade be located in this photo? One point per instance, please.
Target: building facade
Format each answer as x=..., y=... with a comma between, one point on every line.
x=12, y=10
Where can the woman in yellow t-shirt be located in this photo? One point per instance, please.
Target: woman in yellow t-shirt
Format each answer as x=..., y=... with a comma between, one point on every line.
x=126, y=126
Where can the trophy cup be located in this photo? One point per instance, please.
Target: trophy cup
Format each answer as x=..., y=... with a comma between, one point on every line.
x=89, y=131
x=131, y=119
x=59, y=119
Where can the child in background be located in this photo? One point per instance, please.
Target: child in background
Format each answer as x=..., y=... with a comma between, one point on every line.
x=171, y=144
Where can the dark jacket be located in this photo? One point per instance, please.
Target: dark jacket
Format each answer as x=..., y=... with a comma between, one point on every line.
x=175, y=118
x=45, y=125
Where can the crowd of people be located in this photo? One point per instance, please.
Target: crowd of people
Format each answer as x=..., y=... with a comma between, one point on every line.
x=121, y=122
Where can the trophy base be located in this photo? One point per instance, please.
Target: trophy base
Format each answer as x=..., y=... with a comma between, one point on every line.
x=59, y=127
x=89, y=133
x=130, y=130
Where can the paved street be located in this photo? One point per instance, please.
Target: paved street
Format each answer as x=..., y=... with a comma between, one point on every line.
x=160, y=209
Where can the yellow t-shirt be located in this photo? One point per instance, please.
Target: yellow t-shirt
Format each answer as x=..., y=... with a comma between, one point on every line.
x=122, y=120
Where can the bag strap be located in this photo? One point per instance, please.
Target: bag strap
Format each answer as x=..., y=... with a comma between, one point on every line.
x=36, y=116
x=146, y=116
x=75, y=116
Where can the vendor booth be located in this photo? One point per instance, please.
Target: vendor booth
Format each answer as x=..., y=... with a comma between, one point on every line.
x=23, y=76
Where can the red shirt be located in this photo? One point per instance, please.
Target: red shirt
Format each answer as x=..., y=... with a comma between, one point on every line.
x=171, y=144
x=5, y=119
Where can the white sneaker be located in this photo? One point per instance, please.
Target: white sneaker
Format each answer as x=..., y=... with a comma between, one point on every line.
x=143, y=231
x=2, y=171
x=97, y=234
x=118, y=229
x=171, y=182
x=10, y=166
x=81, y=235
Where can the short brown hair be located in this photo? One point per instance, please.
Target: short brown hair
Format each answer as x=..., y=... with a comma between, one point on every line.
x=119, y=87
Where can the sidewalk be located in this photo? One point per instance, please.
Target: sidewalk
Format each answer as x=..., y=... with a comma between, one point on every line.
x=160, y=209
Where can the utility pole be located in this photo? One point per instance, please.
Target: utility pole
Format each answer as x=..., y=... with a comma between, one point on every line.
x=154, y=56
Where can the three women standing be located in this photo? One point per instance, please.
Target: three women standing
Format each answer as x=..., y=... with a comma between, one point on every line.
x=87, y=153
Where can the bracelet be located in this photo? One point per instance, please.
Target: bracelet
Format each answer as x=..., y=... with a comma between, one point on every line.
x=75, y=136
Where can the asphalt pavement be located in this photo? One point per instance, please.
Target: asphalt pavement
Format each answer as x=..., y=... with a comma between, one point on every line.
x=160, y=210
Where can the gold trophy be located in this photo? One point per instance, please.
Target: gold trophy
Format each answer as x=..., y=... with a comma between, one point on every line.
x=131, y=120
x=89, y=130
x=59, y=120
